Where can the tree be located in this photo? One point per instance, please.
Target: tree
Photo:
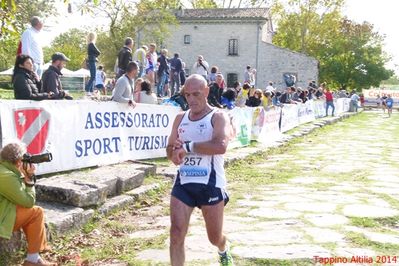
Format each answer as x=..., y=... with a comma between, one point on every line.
x=73, y=44
x=148, y=18
x=350, y=54
x=14, y=17
x=355, y=59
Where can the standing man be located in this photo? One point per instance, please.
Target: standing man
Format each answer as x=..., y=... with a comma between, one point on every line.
x=198, y=140
x=32, y=46
x=329, y=100
x=125, y=56
x=124, y=87
x=163, y=73
x=51, y=82
x=247, y=75
x=176, y=67
x=201, y=67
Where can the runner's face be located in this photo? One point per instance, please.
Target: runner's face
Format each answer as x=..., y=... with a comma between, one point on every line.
x=196, y=96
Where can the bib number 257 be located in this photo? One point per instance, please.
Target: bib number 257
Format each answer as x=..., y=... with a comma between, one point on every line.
x=192, y=161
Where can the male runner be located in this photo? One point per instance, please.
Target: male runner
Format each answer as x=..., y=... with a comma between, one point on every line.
x=198, y=140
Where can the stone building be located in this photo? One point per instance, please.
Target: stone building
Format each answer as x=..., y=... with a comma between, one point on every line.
x=234, y=38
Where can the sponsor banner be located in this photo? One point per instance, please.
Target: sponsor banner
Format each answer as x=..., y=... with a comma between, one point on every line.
x=305, y=112
x=289, y=117
x=258, y=117
x=87, y=133
x=319, y=108
x=271, y=126
x=242, y=123
x=341, y=105
x=371, y=96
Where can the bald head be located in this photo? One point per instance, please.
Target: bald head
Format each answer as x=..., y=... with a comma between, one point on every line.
x=196, y=80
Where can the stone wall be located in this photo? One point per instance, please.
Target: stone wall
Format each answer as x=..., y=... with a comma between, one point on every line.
x=211, y=40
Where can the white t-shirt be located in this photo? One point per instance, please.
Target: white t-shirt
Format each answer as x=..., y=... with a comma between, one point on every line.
x=100, y=77
x=32, y=45
x=199, y=69
x=150, y=99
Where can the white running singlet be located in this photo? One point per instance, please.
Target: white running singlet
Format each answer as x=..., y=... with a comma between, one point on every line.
x=200, y=168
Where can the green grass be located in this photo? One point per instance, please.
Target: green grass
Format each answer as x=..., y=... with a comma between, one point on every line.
x=6, y=94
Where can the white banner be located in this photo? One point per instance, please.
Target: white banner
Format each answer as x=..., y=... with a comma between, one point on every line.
x=271, y=126
x=305, y=112
x=371, y=96
x=289, y=117
x=87, y=133
x=319, y=108
x=242, y=122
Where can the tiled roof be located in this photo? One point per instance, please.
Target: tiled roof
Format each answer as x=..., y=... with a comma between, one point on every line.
x=223, y=13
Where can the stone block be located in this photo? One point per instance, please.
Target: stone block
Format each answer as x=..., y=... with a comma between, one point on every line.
x=92, y=187
x=62, y=218
x=15, y=243
x=115, y=203
x=140, y=191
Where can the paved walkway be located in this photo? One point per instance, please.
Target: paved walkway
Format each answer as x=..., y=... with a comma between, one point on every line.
x=340, y=198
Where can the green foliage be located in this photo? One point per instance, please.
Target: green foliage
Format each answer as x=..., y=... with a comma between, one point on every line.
x=126, y=19
x=14, y=18
x=203, y=4
x=73, y=44
x=350, y=54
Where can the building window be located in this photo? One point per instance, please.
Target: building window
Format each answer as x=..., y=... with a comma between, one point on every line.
x=233, y=47
x=187, y=70
x=231, y=79
x=187, y=39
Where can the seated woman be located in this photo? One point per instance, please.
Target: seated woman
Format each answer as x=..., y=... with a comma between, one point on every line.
x=146, y=94
x=25, y=82
x=137, y=89
x=255, y=98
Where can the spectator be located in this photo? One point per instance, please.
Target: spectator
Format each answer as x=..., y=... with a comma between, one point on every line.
x=362, y=100
x=329, y=100
x=124, y=87
x=253, y=77
x=51, y=82
x=92, y=54
x=183, y=74
x=100, y=79
x=176, y=67
x=247, y=75
x=354, y=101
x=255, y=98
x=242, y=95
x=286, y=97
x=267, y=100
x=163, y=73
x=276, y=98
x=201, y=67
x=228, y=98
x=31, y=45
x=137, y=89
x=212, y=75
x=270, y=87
x=139, y=56
x=17, y=203
x=26, y=82
x=295, y=95
x=215, y=92
x=146, y=94
x=125, y=57
x=319, y=92
x=152, y=60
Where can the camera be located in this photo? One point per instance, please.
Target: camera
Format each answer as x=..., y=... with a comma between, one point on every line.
x=38, y=158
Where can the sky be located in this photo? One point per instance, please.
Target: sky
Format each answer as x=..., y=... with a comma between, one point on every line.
x=381, y=13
